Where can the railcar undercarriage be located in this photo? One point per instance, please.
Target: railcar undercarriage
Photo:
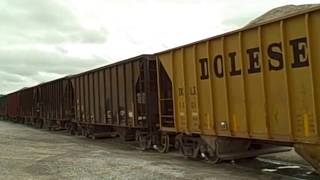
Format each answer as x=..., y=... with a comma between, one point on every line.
x=215, y=149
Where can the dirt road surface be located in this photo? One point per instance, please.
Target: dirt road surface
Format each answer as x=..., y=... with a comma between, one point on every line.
x=28, y=153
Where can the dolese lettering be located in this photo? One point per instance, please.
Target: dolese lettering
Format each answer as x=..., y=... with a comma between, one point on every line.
x=218, y=66
x=204, y=68
x=299, y=52
x=254, y=60
x=234, y=71
x=275, y=59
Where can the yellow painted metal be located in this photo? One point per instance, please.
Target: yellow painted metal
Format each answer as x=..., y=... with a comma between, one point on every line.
x=311, y=153
x=259, y=82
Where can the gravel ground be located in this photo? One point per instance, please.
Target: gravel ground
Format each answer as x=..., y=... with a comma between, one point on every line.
x=27, y=153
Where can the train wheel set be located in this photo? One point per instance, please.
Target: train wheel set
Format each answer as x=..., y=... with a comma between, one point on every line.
x=239, y=95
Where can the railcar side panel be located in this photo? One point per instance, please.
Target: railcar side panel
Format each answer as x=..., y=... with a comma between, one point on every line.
x=258, y=82
x=108, y=96
x=312, y=31
x=136, y=87
x=129, y=79
x=87, y=99
x=278, y=118
x=91, y=98
x=27, y=103
x=205, y=108
x=13, y=104
x=116, y=95
x=3, y=106
x=52, y=104
x=82, y=100
x=102, y=97
x=122, y=95
x=97, y=97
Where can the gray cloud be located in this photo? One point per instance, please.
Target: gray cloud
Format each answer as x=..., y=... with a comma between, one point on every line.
x=22, y=67
x=25, y=61
x=32, y=35
x=43, y=21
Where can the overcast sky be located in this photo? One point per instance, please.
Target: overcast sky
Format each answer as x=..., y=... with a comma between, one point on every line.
x=41, y=40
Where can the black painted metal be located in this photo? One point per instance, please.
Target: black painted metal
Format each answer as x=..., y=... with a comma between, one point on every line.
x=139, y=80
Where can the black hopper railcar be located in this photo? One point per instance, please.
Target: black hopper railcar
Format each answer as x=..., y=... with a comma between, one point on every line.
x=117, y=99
x=54, y=104
x=3, y=107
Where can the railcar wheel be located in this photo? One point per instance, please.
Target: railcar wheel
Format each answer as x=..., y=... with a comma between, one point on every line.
x=164, y=144
x=209, y=154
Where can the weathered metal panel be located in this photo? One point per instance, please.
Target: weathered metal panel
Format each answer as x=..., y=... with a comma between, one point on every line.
x=97, y=97
x=102, y=97
x=137, y=95
x=26, y=103
x=115, y=95
x=82, y=99
x=122, y=95
x=86, y=99
x=312, y=30
x=77, y=102
x=259, y=82
x=129, y=94
x=52, y=102
x=13, y=103
x=91, y=98
x=166, y=97
x=151, y=90
x=108, y=98
x=3, y=106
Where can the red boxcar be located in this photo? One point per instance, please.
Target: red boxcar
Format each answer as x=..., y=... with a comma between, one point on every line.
x=13, y=104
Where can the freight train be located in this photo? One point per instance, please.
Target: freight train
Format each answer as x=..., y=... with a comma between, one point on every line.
x=236, y=95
